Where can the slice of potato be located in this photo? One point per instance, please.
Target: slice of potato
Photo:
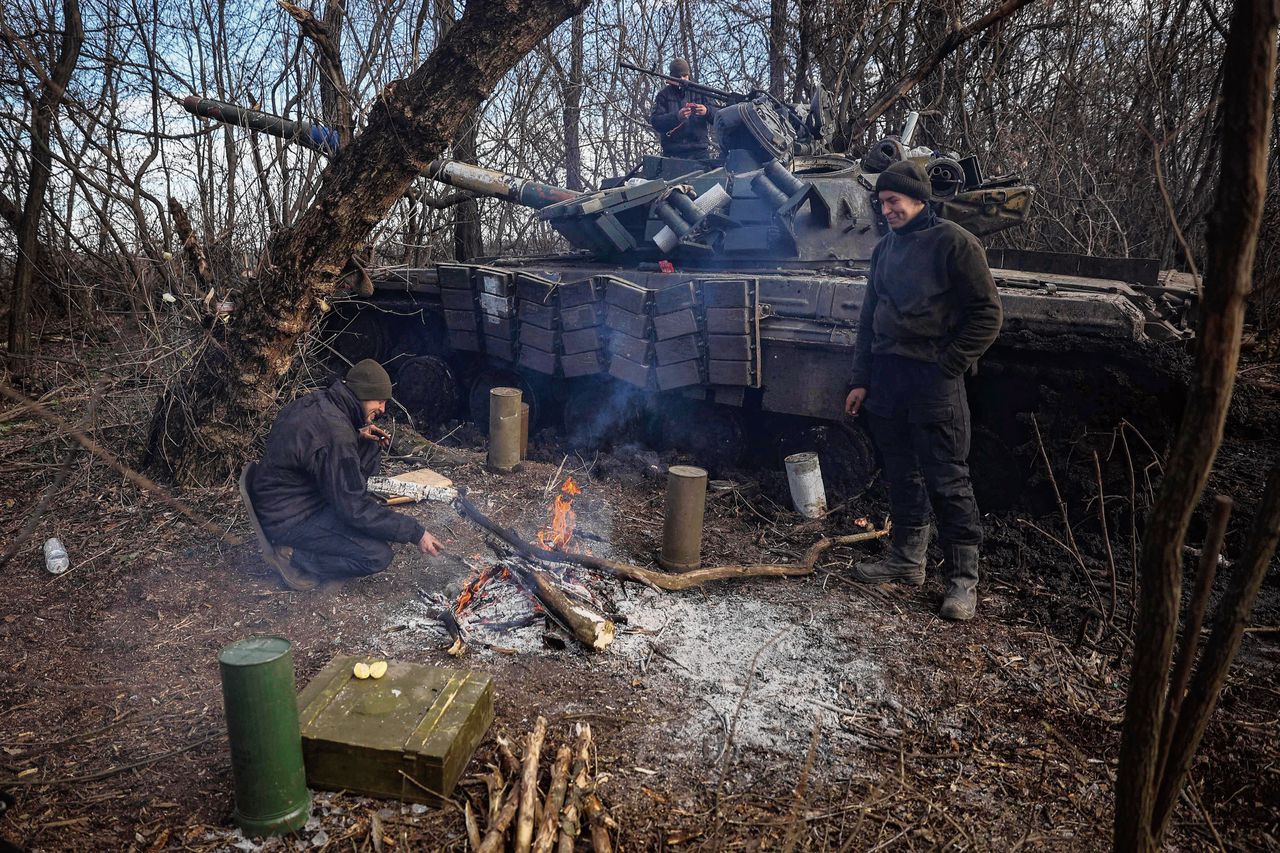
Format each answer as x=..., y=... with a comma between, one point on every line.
x=360, y=670
x=377, y=669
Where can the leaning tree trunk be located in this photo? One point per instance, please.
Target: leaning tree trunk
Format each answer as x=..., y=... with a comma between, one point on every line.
x=202, y=423
x=1249, y=63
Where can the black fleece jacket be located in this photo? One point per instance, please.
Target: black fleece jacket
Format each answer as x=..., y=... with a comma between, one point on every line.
x=681, y=136
x=315, y=458
x=930, y=297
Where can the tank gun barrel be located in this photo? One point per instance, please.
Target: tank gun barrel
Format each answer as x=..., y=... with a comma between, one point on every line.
x=501, y=185
x=314, y=136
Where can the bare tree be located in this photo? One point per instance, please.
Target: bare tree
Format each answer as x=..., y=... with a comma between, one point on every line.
x=1250, y=62
x=199, y=426
x=44, y=106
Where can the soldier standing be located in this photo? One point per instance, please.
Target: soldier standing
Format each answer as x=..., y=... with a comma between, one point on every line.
x=682, y=119
x=930, y=311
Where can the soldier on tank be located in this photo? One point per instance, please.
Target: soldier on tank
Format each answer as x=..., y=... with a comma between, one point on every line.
x=682, y=119
x=309, y=489
x=930, y=311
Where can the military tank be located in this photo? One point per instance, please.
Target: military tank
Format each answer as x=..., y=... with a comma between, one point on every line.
x=703, y=296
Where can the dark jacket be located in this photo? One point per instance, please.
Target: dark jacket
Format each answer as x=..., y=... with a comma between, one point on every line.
x=930, y=297
x=315, y=458
x=681, y=137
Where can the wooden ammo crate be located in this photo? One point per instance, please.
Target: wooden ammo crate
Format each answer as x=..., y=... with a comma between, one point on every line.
x=407, y=735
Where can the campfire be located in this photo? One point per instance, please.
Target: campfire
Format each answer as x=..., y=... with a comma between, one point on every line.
x=517, y=591
x=548, y=576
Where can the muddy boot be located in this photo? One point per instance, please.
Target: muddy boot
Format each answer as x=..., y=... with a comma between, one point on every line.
x=903, y=564
x=961, y=600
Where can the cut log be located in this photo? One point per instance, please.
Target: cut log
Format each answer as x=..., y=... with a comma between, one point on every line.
x=550, y=825
x=570, y=825
x=599, y=821
x=492, y=842
x=529, y=785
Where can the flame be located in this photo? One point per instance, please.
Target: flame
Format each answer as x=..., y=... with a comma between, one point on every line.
x=559, y=530
x=473, y=587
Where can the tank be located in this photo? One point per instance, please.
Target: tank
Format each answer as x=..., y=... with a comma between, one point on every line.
x=699, y=297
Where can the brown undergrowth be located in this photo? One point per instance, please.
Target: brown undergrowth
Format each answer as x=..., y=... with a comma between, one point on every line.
x=999, y=734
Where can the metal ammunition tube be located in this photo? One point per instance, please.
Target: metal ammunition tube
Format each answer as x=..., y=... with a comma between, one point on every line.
x=782, y=178
x=685, y=205
x=767, y=192
x=266, y=740
x=672, y=218
x=682, y=526
x=504, y=428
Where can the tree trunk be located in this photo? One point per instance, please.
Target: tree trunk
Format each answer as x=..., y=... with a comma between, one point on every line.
x=777, y=47
x=573, y=108
x=468, y=242
x=804, y=50
x=201, y=424
x=28, y=230
x=1249, y=65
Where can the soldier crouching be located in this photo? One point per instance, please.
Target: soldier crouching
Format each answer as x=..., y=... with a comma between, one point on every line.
x=309, y=489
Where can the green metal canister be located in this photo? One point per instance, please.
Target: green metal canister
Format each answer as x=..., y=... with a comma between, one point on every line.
x=266, y=744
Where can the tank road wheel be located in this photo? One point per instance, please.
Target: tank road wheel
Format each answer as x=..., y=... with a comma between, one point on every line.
x=360, y=332
x=486, y=381
x=714, y=435
x=428, y=389
x=601, y=412
x=845, y=454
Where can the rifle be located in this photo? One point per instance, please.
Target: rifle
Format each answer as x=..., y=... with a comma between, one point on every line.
x=720, y=95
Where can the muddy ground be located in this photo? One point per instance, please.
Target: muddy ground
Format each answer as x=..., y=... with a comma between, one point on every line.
x=783, y=713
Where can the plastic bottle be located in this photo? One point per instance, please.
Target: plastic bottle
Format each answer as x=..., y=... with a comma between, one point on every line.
x=56, y=560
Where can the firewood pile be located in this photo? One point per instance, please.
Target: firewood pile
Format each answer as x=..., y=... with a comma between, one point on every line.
x=523, y=817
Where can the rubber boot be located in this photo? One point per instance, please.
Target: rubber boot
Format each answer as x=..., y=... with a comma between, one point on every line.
x=961, y=600
x=905, y=561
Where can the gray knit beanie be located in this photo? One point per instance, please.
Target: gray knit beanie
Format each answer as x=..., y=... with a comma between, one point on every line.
x=678, y=68
x=907, y=177
x=368, y=380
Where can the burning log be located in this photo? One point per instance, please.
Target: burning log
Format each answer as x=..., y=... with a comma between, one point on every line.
x=591, y=627
x=657, y=579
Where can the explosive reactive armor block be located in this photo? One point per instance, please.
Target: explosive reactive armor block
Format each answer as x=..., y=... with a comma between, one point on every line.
x=407, y=735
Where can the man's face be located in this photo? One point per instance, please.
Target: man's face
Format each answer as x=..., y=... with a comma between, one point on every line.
x=373, y=408
x=676, y=85
x=899, y=209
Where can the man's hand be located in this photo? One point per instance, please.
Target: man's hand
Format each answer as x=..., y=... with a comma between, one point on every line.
x=853, y=403
x=376, y=433
x=686, y=111
x=429, y=544
x=698, y=109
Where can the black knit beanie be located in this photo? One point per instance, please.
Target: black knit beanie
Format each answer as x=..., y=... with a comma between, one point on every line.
x=369, y=381
x=907, y=177
x=678, y=68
